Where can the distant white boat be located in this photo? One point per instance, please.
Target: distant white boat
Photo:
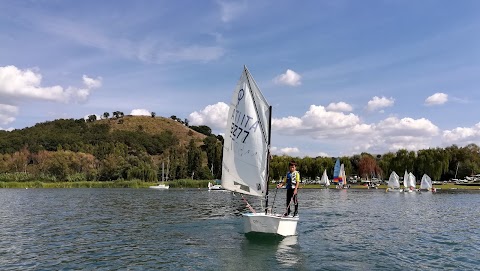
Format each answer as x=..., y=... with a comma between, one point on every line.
x=342, y=183
x=215, y=186
x=393, y=182
x=161, y=185
x=412, y=181
x=324, y=180
x=408, y=182
x=426, y=184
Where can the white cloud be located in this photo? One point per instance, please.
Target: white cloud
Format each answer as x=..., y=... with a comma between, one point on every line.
x=230, y=10
x=320, y=123
x=389, y=134
x=7, y=113
x=408, y=127
x=16, y=84
x=379, y=103
x=148, y=50
x=340, y=107
x=392, y=134
x=289, y=78
x=463, y=135
x=92, y=83
x=187, y=53
x=437, y=99
x=214, y=116
x=323, y=154
x=292, y=151
x=140, y=112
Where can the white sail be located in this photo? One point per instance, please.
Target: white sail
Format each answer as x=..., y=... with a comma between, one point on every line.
x=246, y=145
x=325, y=181
x=393, y=181
x=412, y=180
x=426, y=182
x=405, y=180
x=342, y=176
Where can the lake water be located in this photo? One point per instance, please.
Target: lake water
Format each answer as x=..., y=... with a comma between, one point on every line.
x=181, y=229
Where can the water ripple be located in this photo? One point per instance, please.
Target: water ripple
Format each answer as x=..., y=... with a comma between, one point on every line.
x=143, y=229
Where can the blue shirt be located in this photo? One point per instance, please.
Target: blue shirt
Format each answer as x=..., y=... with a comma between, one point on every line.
x=292, y=178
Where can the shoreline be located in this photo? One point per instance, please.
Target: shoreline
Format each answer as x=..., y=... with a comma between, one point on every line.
x=199, y=184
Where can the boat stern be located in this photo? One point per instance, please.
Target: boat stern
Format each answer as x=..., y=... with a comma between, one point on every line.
x=275, y=224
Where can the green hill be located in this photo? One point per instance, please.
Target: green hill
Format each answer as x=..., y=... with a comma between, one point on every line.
x=154, y=126
x=130, y=147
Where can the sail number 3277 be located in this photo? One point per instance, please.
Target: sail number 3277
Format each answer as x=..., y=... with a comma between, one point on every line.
x=237, y=132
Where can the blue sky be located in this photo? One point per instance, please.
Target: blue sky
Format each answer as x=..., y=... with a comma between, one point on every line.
x=343, y=77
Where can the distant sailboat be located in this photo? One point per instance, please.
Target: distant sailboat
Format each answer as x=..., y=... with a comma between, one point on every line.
x=324, y=180
x=215, y=186
x=336, y=171
x=426, y=183
x=246, y=156
x=406, y=183
x=342, y=178
x=412, y=182
x=393, y=182
x=162, y=184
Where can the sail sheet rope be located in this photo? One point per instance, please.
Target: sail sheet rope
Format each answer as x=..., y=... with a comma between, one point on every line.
x=248, y=205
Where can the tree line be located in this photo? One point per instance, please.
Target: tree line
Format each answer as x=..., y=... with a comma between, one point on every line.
x=79, y=150
x=438, y=163
x=83, y=150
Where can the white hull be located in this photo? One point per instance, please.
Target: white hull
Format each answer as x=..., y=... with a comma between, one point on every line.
x=216, y=187
x=160, y=186
x=408, y=190
x=275, y=224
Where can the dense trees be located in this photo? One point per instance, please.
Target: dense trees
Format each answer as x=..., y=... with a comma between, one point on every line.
x=76, y=150
x=439, y=164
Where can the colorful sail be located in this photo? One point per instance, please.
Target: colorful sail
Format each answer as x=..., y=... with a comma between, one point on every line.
x=336, y=171
x=342, y=178
x=247, y=139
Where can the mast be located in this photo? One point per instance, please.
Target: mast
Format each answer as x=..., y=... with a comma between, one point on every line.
x=456, y=171
x=268, y=135
x=268, y=156
x=163, y=170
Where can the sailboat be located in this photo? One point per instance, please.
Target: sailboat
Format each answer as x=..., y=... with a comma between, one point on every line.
x=214, y=186
x=246, y=156
x=426, y=183
x=342, y=178
x=406, y=182
x=336, y=171
x=393, y=182
x=162, y=184
x=324, y=180
x=412, y=182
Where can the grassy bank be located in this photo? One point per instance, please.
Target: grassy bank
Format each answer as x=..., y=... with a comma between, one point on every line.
x=441, y=187
x=184, y=183
x=112, y=184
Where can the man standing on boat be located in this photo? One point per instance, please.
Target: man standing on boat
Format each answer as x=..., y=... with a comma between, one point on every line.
x=291, y=182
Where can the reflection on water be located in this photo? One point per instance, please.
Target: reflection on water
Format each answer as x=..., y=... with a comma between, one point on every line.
x=182, y=229
x=258, y=246
x=288, y=253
